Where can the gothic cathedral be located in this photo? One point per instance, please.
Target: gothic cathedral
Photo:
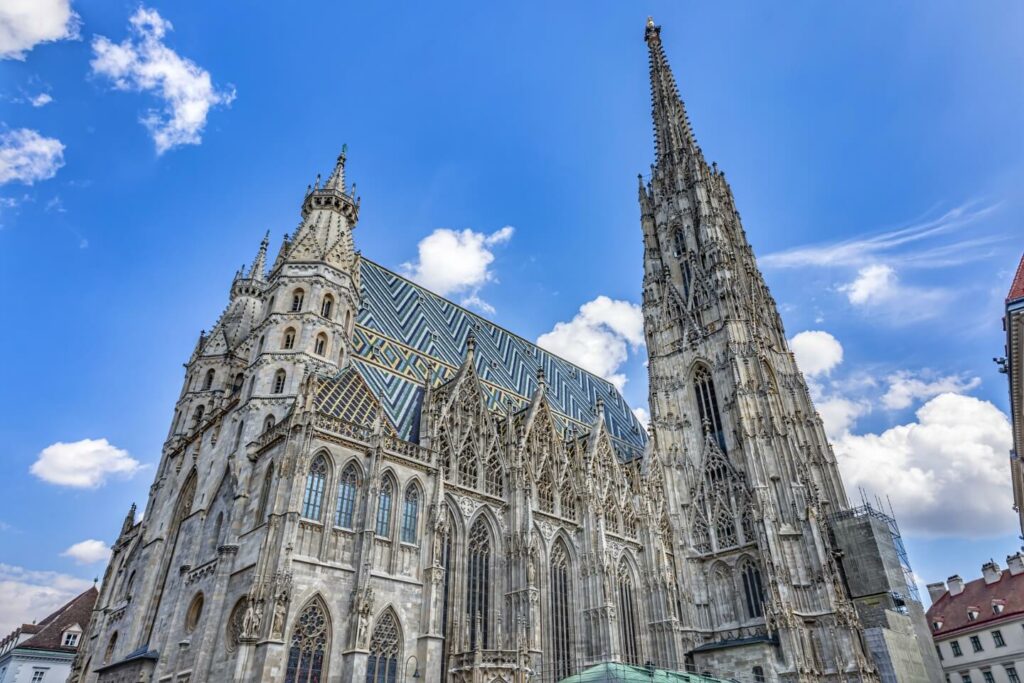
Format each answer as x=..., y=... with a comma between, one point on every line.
x=365, y=482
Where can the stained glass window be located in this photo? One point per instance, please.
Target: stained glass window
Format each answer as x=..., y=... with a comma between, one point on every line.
x=315, y=482
x=382, y=663
x=307, y=662
x=347, y=488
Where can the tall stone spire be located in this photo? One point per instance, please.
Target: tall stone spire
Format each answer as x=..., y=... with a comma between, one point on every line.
x=727, y=397
x=673, y=136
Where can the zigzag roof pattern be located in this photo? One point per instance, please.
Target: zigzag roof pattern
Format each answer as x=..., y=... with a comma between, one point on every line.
x=406, y=335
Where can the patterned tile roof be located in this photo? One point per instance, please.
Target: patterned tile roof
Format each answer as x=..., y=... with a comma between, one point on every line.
x=405, y=334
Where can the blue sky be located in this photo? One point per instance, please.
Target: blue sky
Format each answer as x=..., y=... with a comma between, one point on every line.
x=875, y=153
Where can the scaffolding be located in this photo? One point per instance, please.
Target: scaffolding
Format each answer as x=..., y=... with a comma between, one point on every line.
x=877, y=511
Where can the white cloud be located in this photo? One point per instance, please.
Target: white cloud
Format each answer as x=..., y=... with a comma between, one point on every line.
x=143, y=63
x=877, y=288
x=40, y=100
x=817, y=352
x=457, y=262
x=839, y=414
x=874, y=283
x=947, y=474
x=905, y=388
x=29, y=596
x=26, y=156
x=83, y=464
x=26, y=23
x=642, y=416
x=598, y=337
x=866, y=250
x=88, y=552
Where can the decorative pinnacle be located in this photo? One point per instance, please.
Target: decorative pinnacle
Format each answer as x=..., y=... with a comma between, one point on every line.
x=259, y=264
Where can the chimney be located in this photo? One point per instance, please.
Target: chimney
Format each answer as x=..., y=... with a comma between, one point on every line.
x=991, y=571
x=956, y=585
x=1015, y=563
x=936, y=591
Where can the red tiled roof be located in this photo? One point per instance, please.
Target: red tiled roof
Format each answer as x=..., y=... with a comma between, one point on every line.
x=951, y=610
x=51, y=629
x=1017, y=288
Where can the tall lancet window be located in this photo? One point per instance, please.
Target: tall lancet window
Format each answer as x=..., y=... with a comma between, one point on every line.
x=347, y=487
x=707, y=403
x=261, y=510
x=387, y=492
x=628, y=628
x=752, y=591
x=316, y=479
x=410, y=514
x=561, y=613
x=307, y=661
x=382, y=663
x=478, y=580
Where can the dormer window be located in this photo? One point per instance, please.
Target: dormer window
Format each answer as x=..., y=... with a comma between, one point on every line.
x=70, y=639
x=998, y=606
x=972, y=613
x=936, y=624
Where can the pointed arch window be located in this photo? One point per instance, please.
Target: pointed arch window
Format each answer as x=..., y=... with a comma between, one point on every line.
x=725, y=528
x=629, y=521
x=628, y=621
x=208, y=381
x=410, y=513
x=545, y=491
x=494, y=476
x=111, y=646
x=288, y=340
x=316, y=479
x=348, y=485
x=611, y=515
x=561, y=611
x=707, y=404
x=382, y=663
x=268, y=479
x=307, y=653
x=327, y=307
x=478, y=597
x=279, y=378
x=268, y=423
x=298, y=297
x=468, y=470
x=236, y=386
x=567, y=500
x=320, y=345
x=387, y=492
x=197, y=417
x=752, y=591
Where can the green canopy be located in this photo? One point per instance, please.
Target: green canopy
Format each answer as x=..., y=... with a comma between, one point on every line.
x=612, y=671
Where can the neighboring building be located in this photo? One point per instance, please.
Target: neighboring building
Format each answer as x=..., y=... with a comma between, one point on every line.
x=978, y=626
x=1013, y=366
x=43, y=652
x=364, y=481
x=880, y=580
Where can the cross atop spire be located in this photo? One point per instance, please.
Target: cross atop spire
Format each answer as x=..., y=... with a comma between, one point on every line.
x=673, y=137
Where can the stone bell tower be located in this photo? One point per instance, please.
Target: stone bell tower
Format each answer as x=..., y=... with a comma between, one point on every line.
x=752, y=475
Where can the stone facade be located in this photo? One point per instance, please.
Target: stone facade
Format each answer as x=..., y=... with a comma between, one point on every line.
x=364, y=482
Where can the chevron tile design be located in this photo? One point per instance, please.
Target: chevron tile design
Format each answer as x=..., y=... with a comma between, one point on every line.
x=406, y=335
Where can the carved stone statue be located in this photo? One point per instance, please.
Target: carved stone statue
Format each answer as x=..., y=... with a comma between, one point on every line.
x=280, y=610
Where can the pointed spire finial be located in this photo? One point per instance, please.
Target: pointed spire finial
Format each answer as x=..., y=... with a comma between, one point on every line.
x=337, y=179
x=470, y=343
x=259, y=264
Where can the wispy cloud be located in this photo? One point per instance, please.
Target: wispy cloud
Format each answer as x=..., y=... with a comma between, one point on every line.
x=892, y=246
